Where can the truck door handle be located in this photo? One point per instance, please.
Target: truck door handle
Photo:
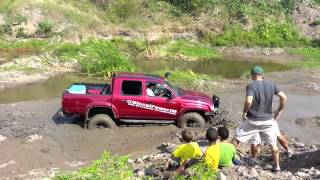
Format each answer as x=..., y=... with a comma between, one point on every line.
x=123, y=100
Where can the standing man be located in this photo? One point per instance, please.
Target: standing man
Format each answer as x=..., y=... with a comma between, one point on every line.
x=258, y=116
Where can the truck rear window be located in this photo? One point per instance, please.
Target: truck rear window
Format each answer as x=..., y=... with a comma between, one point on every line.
x=131, y=88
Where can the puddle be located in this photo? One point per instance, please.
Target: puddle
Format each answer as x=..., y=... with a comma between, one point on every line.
x=218, y=67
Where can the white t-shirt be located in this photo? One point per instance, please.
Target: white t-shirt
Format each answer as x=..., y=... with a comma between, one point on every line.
x=150, y=92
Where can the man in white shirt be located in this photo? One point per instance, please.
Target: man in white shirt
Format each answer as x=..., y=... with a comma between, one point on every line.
x=150, y=88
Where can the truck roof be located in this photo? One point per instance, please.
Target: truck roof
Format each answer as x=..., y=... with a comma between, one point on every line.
x=137, y=75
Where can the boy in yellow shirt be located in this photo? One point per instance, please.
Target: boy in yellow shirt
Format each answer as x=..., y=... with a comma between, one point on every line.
x=186, y=154
x=212, y=154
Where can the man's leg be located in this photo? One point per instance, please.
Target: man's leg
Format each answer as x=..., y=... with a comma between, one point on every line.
x=269, y=136
x=275, y=155
x=254, y=150
x=284, y=143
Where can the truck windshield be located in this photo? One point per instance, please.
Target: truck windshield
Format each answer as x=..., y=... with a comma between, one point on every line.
x=177, y=90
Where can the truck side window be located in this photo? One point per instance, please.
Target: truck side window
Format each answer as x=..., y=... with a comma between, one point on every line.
x=131, y=88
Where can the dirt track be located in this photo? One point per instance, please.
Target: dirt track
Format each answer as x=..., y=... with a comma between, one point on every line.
x=38, y=140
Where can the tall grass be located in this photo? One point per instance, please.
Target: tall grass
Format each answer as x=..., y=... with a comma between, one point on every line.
x=101, y=58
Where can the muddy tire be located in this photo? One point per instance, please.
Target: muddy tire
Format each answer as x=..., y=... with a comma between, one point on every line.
x=101, y=121
x=192, y=120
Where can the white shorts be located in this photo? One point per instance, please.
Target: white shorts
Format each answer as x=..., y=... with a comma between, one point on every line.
x=257, y=140
x=258, y=131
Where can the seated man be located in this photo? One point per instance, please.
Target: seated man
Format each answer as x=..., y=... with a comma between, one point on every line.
x=150, y=88
x=227, y=150
x=185, y=154
x=212, y=155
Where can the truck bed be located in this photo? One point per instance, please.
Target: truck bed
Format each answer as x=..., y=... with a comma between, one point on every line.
x=89, y=88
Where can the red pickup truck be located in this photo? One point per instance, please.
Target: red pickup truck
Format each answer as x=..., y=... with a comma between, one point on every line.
x=138, y=98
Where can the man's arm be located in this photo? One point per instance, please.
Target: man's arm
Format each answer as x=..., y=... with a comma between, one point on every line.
x=283, y=100
x=246, y=106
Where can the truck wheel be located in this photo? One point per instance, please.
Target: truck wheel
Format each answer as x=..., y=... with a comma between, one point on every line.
x=192, y=120
x=101, y=121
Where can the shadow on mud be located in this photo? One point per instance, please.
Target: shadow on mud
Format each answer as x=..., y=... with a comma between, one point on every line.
x=59, y=118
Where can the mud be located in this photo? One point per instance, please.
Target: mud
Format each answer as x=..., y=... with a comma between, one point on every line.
x=36, y=140
x=37, y=137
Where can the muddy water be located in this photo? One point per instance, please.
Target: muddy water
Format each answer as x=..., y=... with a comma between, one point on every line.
x=53, y=87
x=226, y=68
x=302, y=107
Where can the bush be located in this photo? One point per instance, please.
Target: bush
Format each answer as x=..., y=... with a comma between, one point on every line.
x=123, y=9
x=19, y=18
x=6, y=29
x=315, y=22
x=101, y=58
x=192, y=5
x=20, y=33
x=107, y=167
x=44, y=28
x=200, y=171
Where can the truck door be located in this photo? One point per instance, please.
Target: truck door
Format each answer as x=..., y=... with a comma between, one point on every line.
x=128, y=98
x=163, y=105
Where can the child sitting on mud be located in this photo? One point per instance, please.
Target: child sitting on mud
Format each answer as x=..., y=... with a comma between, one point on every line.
x=185, y=154
x=227, y=150
x=212, y=154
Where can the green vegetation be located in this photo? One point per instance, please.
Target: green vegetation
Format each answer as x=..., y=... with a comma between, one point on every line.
x=117, y=167
x=189, y=50
x=269, y=34
x=6, y=29
x=311, y=56
x=101, y=58
x=186, y=79
x=16, y=49
x=316, y=22
x=44, y=28
x=21, y=33
x=107, y=167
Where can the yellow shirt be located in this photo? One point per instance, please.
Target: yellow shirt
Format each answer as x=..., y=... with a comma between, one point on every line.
x=187, y=151
x=212, y=156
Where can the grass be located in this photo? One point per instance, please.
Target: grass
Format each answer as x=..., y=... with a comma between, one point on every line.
x=117, y=168
x=311, y=57
x=266, y=34
x=187, y=79
x=107, y=167
x=15, y=49
x=191, y=50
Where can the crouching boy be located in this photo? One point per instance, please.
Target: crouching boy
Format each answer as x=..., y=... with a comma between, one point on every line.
x=185, y=154
x=212, y=154
x=227, y=150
